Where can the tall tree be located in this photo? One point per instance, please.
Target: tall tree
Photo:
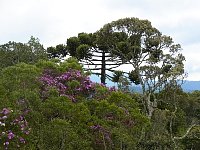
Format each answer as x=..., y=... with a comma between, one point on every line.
x=155, y=59
x=92, y=50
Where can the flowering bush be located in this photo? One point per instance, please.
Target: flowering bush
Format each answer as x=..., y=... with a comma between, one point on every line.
x=13, y=128
x=71, y=84
x=69, y=110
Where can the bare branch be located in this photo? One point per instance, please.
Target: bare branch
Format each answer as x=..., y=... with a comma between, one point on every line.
x=187, y=132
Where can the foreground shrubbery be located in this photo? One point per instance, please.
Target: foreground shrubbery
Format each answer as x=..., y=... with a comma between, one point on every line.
x=65, y=110
x=14, y=128
x=52, y=105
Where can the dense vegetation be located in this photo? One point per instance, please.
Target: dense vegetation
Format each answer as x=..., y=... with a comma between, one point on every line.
x=49, y=102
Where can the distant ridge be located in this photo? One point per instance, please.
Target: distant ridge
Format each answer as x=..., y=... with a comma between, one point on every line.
x=188, y=86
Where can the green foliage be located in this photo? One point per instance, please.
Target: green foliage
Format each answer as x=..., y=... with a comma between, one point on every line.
x=12, y=53
x=18, y=77
x=72, y=44
x=61, y=134
x=192, y=141
x=134, y=77
x=59, y=51
x=116, y=75
x=71, y=63
x=93, y=120
x=180, y=108
x=85, y=38
x=83, y=51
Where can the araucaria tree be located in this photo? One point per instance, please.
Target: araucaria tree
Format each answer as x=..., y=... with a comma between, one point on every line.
x=155, y=59
x=92, y=50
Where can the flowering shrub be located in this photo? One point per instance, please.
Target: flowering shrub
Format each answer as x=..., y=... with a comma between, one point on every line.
x=13, y=128
x=71, y=84
x=69, y=110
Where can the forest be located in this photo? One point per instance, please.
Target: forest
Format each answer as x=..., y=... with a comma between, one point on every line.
x=49, y=102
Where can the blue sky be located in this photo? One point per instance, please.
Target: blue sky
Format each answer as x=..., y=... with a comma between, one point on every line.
x=53, y=21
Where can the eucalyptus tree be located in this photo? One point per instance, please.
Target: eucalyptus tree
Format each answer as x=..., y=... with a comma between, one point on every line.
x=156, y=60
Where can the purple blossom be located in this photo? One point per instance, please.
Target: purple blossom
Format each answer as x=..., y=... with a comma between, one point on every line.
x=5, y=111
x=22, y=140
x=10, y=135
x=4, y=117
x=78, y=89
x=27, y=132
x=96, y=127
x=25, y=111
x=21, y=117
x=101, y=84
x=22, y=127
x=6, y=143
x=19, y=123
x=112, y=88
x=61, y=83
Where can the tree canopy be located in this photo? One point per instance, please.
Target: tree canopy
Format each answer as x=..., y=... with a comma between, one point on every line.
x=12, y=53
x=48, y=103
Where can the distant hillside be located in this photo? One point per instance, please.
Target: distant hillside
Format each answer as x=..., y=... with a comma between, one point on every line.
x=188, y=86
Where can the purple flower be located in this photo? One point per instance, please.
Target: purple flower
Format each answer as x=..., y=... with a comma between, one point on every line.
x=22, y=140
x=60, y=83
x=88, y=86
x=6, y=143
x=112, y=88
x=5, y=111
x=96, y=127
x=78, y=89
x=26, y=111
x=101, y=84
x=26, y=132
x=21, y=117
x=15, y=121
x=4, y=117
x=22, y=126
x=10, y=135
x=19, y=121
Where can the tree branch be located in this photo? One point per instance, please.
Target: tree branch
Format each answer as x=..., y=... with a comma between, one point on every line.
x=187, y=132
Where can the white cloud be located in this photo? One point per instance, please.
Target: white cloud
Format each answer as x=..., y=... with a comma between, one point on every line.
x=192, y=64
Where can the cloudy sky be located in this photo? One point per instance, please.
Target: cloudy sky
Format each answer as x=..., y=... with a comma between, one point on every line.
x=53, y=21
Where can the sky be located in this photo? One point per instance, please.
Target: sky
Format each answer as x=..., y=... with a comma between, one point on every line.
x=53, y=21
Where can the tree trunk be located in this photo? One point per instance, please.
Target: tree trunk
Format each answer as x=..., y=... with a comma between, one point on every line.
x=150, y=104
x=103, y=68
